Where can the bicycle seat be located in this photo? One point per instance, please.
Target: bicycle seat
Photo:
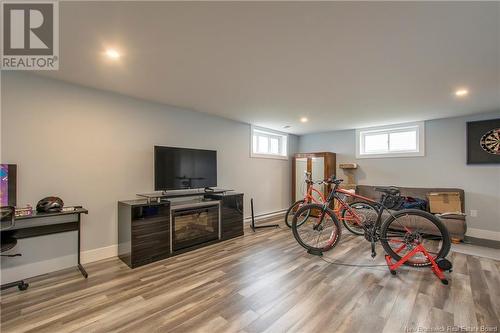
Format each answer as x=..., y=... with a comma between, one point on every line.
x=391, y=190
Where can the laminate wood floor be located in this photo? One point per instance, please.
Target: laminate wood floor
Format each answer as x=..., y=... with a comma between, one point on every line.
x=262, y=282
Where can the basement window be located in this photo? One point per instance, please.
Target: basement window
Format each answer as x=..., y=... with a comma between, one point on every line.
x=402, y=140
x=267, y=143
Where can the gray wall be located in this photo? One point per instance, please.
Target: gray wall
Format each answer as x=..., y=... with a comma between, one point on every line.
x=94, y=148
x=444, y=165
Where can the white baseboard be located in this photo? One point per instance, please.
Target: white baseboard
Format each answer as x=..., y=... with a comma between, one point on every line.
x=99, y=254
x=30, y=269
x=484, y=234
x=112, y=250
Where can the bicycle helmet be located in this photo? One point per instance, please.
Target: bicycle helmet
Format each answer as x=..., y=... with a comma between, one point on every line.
x=49, y=205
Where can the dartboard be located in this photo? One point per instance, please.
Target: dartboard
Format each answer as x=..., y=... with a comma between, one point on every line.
x=490, y=141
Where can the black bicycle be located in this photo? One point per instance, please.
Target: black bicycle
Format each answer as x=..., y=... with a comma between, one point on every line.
x=317, y=228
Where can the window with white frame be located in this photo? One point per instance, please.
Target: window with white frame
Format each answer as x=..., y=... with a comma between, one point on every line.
x=268, y=143
x=391, y=141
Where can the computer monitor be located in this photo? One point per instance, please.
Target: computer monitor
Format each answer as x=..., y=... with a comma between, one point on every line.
x=8, y=184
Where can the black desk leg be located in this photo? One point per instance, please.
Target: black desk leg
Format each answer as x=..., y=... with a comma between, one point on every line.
x=80, y=267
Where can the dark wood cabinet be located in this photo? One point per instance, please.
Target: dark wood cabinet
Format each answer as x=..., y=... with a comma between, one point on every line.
x=231, y=214
x=143, y=232
x=151, y=231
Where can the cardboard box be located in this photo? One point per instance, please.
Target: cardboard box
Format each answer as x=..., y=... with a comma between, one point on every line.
x=444, y=202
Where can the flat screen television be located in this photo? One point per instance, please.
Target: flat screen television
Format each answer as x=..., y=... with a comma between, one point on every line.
x=183, y=168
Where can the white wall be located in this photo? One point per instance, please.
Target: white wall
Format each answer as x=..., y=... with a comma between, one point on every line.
x=93, y=148
x=444, y=165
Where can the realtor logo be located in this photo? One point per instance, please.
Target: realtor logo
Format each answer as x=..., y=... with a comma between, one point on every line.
x=30, y=35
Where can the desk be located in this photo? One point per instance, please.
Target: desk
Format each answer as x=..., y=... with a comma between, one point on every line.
x=40, y=224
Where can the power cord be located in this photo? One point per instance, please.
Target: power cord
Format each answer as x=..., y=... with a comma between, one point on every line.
x=352, y=265
x=407, y=268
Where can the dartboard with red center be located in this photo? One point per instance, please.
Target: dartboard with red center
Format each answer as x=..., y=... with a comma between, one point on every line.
x=490, y=141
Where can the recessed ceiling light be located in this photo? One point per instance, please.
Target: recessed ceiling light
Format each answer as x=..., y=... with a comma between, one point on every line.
x=461, y=92
x=113, y=54
x=303, y=120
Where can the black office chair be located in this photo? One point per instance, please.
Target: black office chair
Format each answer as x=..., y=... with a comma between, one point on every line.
x=7, y=221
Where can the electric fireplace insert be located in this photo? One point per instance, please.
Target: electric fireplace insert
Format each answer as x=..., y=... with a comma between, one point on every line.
x=193, y=226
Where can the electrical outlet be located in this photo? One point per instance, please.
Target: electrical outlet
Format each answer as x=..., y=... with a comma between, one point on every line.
x=473, y=213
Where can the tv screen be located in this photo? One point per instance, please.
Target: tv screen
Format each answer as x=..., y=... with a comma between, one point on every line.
x=183, y=168
x=8, y=184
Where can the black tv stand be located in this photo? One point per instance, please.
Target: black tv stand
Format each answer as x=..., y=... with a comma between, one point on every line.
x=154, y=230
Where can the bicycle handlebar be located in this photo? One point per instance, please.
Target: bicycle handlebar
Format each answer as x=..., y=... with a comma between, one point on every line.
x=328, y=181
x=333, y=180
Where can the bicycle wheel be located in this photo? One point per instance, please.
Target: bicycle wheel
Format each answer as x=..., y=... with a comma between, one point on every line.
x=408, y=228
x=291, y=212
x=317, y=232
x=361, y=213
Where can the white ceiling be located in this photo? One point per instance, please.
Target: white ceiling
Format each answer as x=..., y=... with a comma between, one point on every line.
x=342, y=65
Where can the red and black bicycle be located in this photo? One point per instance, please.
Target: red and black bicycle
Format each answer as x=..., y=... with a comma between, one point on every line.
x=410, y=236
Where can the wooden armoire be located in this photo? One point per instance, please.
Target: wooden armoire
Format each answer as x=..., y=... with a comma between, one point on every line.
x=321, y=165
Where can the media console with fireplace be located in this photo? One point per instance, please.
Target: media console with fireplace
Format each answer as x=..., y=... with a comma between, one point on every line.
x=164, y=224
x=151, y=230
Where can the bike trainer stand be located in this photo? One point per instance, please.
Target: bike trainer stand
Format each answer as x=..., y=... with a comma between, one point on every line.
x=436, y=266
x=253, y=226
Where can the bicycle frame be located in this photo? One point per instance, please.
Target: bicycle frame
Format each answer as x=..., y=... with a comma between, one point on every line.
x=309, y=197
x=354, y=195
x=344, y=206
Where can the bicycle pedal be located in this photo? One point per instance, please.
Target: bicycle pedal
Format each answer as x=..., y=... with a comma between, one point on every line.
x=444, y=264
